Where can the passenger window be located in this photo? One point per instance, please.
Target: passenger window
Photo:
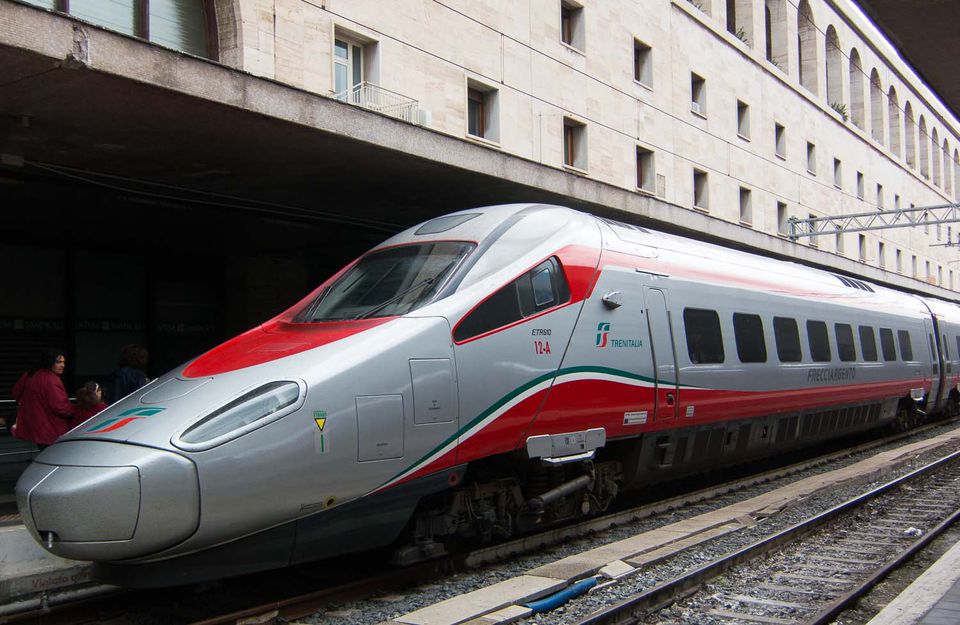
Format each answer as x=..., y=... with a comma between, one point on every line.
x=788, y=339
x=958, y=346
x=946, y=348
x=541, y=288
x=819, y=343
x=542, y=283
x=887, y=345
x=845, y=347
x=868, y=343
x=704, y=339
x=906, y=349
x=748, y=331
x=932, y=349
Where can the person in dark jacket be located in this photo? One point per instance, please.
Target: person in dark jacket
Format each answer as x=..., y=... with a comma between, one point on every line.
x=44, y=411
x=131, y=373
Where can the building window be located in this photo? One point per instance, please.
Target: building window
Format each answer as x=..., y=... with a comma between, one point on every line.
x=571, y=25
x=746, y=207
x=642, y=63
x=740, y=20
x=856, y=90
x=896, y=201
x=782, y=219
x=879, y=195
x=811, y=158
x=807, y=46
x=839, y=241
x=178, y=24
x=837, y=173
x=881, y=255
x=898, y=256
x=876, y=107
x=743, y=119
x=775, y=30
x=348, y=70
x=862, y=248
x=574, y=144
x=913, y=266
x=812, y=226
x=646, y=172
x=698, y=95
x=860, y=185
x=780, y=140
x=482, y=114
x=701, y=191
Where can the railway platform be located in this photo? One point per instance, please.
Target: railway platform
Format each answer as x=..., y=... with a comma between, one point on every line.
x=932, y=599
x=27, y=570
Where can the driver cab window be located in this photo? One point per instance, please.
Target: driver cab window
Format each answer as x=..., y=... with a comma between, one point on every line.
x=539, y=289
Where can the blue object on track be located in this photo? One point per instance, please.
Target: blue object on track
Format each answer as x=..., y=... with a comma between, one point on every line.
x=559, y=598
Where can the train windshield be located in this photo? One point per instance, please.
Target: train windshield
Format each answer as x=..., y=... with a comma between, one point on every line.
x=388, y=282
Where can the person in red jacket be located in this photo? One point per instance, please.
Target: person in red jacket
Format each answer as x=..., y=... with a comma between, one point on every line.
x=44, y=412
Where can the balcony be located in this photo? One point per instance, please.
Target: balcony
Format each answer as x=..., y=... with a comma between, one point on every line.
x=386, y=102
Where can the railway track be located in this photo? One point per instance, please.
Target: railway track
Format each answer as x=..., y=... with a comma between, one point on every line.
x=297, y=605
x=821, y=566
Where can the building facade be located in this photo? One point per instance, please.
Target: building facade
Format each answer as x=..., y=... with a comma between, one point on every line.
x=753, y=111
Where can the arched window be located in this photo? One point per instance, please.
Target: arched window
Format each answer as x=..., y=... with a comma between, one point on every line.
x=856, y=89
x=807, y=46
x=956, y=174
x=834, y=72
x=893, y=120
x=740, y=20
x=935, y=155
x=909, y=136
x=775, y=26
x=876, y=107
x=947, y=169
x=924, y=149
x=184, y=25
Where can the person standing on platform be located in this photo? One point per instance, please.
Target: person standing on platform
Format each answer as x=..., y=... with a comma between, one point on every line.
x=131, y=373
x=44, y=412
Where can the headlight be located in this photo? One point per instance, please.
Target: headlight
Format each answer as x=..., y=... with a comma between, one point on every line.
x=254, y=409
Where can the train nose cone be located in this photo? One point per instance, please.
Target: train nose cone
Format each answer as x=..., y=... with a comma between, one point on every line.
x=94, y=500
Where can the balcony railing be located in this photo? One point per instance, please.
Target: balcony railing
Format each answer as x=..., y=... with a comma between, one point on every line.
x=375, y=98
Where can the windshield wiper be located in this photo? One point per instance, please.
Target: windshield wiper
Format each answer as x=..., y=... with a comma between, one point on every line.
x=385, y=303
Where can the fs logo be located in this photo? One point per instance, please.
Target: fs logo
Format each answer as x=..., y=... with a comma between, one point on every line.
x=602, y=331
x=126, y=417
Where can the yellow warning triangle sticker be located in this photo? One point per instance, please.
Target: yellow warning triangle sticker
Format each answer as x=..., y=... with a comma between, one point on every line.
x=320, y=423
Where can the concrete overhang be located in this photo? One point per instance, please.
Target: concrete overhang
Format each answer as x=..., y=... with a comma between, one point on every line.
x=925, y=33
x=123, y=112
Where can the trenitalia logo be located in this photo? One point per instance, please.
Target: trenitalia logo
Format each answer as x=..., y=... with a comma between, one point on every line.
x=126, y=417
x=602, y=331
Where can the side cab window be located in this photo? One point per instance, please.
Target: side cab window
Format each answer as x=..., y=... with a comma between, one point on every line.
x=539, y=289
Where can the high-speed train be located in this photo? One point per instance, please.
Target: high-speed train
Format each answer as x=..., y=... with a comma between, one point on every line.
x=479, y=375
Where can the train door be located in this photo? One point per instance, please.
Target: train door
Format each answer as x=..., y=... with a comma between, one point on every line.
x=936, y=368
x=663, y=350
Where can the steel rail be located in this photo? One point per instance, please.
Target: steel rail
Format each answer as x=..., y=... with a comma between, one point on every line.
x=632, y=609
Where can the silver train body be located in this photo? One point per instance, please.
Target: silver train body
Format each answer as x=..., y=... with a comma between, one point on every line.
x=479, y=375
